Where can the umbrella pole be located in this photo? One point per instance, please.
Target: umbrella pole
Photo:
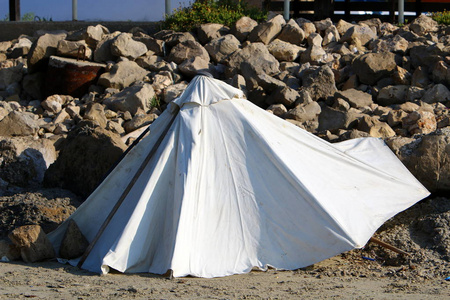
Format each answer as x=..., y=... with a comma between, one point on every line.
x=388, y=246
x=125, y=192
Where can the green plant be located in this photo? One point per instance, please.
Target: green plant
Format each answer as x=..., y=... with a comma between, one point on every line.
x=224, y=12
x=442, y=17
x=29, y=17
x=155, y=102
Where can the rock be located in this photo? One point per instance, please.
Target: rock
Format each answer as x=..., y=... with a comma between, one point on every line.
x=395, y=44
x=372, y=67
x=284, y=95
x=103, y=52
x=149, y=62
x=211, y=31
x=423, y=24
x=133, y=99
x=256, y=57
x=420, y=78
x=319, y=83
x=44, y=47
x=124, y=45
x=292, y=33
x=152, y=44
x=267, y=31
x=174, y=91
x=333, y=119
x=186, y=50
x=419, y=122
x=24, y=160
x=441, y=73
x=96, y=113
x=390, y=95
x=21, y=48
x=139, y=121
x=72, y=49
x=122, y=75
x=174, y=38
x=277, y=109
x=161, y=81
x=427, y=159
x=362, y=33
x=375, y=128
x=115, y=127
x=10, y=75
x=340, y=104
x=221, y=48
x=192, y=66
x=356, y=98
x=33, y=243
x=51, y=105
x=284, y=51
x=9, y=250
x=342, y=26
x=306, y=25
x=243, y=27
x=401, y=76
x=5, y=45
x=426, y=55
x=331, y=35
x=438, y=93
x=268, y=83
x=85, y=156
x=18, y=124
x=94, y=34
x=74, y=243
x=33, y=85
x=315, y=53
x=395, y=117
x=304, y=112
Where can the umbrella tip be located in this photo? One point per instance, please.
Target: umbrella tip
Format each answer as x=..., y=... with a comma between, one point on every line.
x=205, y=73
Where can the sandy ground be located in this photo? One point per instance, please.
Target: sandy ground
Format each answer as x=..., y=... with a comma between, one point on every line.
x=51, y=280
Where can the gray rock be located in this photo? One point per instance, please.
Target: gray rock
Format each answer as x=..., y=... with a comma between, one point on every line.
x=24, y=160
x=427, y=55
x=331, y=35
x=18, y=124
x=103, y=52
x=343, y=26
x=284, y=95
x=150, y=62
x=21, y=48
x=323, y=25
x=304, y=112
x=277, y=109
x=193, y=66
x=267, y=31
x=363, y=33
x=372, y=67
x=74, y=243
x=441, y=73
x=44, y=47
x=419, y=122
x=395, y=117
x=420, y=78
x=315, y=53
x=139, y=121
x=85, y=156
x=401, y=76
x=284, y=51
x=122, y=75
x=221, y=48
x=133, y=99
x=396, y=44
x=9, y=250
x=356, y=98
x=268, y=83
x=96, y=113
x=375, y=128
x=174, y=91
x=124, y=45
x=423, y=24
x=94, y=34
x=393, y=94
x=306, y=25
x=11, y=75
x=33, y=243
x=292, y=33
x=72, y=49
x=438, y=93
x=33, y=85
x=333, y=119
x=319, y=82
x=187, y=50
x=243, y=27
x=211, y=31
x=152, y=44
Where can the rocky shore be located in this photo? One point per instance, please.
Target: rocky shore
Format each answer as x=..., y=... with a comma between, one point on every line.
x=59, y=136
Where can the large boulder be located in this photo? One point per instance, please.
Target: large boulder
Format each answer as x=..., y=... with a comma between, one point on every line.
x=24, y=160
x=186, y=50
x=18, y=124
x=72, y=49
x=243, y=27
x=392, y=94
x=220, y=48
x=211, y=31
x=362, y=33
x=94, y=34
x=10, y=75
x=427, y=158
x=292, y=33
x=132, y=99
x=41, y=50
x=372, y=67
x=33, y=243
x=85, y=157
x=355, y=98
x=103, y=51
x=122, y=75
x=423, y=24
x=267, y=31
x=74, y=243
x=319, y=82
x=124, y=45
x=284, y=51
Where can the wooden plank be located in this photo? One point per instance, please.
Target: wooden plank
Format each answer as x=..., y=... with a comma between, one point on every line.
x=14, y=10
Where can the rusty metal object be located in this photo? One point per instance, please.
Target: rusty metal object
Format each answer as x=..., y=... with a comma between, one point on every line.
x=82, y=51
x=67, y=76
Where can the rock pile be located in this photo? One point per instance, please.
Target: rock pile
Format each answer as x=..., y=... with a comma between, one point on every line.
x=336, y=80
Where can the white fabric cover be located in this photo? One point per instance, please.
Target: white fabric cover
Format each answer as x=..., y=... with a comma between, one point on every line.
x=234, y=187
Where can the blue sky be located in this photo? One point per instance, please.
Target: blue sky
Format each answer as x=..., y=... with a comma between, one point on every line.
x=105, y=10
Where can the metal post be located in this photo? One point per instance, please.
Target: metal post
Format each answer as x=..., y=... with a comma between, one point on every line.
x=168, y=8
x=401, y=11
x=14, y=10
x=74, y=10
x=286, y=9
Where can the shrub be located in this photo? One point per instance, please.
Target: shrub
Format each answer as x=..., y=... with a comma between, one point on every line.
x=441, y=17
x=224, y=12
